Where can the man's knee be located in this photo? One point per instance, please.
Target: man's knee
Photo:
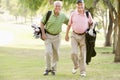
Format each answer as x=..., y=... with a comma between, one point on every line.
x=49, y=52
x=73, y=55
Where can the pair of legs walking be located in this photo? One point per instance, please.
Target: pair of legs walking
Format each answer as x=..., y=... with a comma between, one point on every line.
x=79, y=60
x=52, y=44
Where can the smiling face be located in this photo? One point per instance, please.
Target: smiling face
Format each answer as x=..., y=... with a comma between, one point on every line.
x=80, y=6
x=57, y=6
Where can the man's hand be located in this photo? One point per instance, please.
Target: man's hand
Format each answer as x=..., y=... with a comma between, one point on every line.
x=67, y=38
x=44, y=37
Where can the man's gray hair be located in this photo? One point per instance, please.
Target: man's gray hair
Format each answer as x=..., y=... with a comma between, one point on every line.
x=58, y=2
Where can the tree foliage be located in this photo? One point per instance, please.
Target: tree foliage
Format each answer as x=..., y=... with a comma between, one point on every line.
x=33, y=5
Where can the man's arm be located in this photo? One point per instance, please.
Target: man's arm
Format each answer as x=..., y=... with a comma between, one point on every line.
x=43, y=31
x=68, y=27
x=66, y=20
x=90, y=21
x=67, y=33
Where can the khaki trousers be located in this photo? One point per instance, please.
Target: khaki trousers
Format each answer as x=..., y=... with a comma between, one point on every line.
x=52, y=44
x=78, y=41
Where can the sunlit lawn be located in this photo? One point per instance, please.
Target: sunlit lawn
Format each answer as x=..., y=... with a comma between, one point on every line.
x=22, y=58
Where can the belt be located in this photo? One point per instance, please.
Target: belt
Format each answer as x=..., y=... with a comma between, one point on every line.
x=79, y=33
x=51, y=33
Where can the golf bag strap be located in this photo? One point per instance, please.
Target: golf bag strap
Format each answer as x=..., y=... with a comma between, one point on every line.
x=48, y=16
x=87, y=13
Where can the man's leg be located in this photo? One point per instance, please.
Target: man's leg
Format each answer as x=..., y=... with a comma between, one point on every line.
x=74, y=55
x=82, y=57
x=49, y=53
x=56, y=45
x=74, y=58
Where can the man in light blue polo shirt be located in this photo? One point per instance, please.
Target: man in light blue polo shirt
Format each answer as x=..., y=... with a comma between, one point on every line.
x=52, y=37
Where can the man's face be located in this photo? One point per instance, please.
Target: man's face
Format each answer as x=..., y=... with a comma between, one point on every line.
x=80, y=6
x=57, y=8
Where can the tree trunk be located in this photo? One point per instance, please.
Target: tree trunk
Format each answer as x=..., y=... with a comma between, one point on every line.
x=115, y=20
x=91, y=9
x=16, y=18
x=8, y=4
x=109, y=31
x=51, y=2
x=25, y=19
x=104, y=26
x=0, y=3
x=117, y=54
x=115, y=36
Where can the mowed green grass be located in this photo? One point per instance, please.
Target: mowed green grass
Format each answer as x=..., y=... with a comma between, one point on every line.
x=29, y=64
x=24, y=59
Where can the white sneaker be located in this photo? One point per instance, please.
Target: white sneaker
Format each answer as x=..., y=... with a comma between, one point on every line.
x=74, y=70
x=83, y=74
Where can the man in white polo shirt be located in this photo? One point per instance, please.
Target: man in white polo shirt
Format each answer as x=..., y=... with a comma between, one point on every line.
x=79, y=23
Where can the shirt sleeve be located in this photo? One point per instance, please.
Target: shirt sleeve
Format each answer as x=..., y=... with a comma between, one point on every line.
x=66, y=20
x=43, y=19
x=70, y=19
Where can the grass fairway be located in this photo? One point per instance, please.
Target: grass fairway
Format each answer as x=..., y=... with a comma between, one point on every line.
x=23, y=59
x=28, y=64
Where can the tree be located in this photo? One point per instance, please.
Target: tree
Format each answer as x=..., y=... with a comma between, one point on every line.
x=33, y=5
x=113, y=17
x=112, y=13
x=91, y=5
x=117, y=52
x=0, y=3
x=8, y=4
x=109, y=31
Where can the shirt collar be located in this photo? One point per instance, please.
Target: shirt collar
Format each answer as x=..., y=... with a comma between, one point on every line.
x=78, y=12
x=54, y=13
